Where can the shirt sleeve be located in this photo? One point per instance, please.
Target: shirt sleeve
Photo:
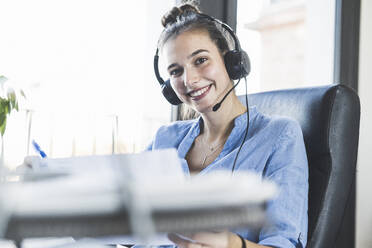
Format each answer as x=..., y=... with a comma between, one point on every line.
x=287, y=166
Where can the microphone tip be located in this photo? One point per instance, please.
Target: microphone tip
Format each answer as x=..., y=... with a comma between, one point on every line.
x=216, y=107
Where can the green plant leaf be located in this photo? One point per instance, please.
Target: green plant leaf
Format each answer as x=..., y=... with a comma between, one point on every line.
x=3, y=103
x=6, y=105
x=2, y=118
x=12, y=96
x=13, y=102
x=3, y=127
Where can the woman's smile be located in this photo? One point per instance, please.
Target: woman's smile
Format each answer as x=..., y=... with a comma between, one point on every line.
x=198, y=94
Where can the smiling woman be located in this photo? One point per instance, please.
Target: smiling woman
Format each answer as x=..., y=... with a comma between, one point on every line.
x=202, y=67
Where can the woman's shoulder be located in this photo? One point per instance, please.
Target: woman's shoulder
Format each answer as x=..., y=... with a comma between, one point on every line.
x=177, y=127
x=276, y=125
x=172, y=134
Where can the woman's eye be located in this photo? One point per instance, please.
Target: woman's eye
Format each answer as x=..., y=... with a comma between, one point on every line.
x=175, y=72
x=200, y=61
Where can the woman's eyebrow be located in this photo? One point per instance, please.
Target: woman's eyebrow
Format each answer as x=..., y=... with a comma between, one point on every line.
x=190, y=56
x=197, y=52
x=171, y=65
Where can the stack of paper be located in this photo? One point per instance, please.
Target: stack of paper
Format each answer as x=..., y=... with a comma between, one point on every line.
x=138, y=194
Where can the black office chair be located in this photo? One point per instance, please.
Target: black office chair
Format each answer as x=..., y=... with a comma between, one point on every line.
x=329, y=118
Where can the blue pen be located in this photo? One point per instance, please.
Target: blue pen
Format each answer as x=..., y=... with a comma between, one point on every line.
x=38, y=149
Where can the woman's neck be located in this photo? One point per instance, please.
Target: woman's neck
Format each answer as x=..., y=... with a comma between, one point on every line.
x=218, y=125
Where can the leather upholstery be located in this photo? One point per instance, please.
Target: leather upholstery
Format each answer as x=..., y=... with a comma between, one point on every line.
x=329, y=118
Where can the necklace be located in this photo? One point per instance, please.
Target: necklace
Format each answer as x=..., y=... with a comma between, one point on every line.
x=211, y=150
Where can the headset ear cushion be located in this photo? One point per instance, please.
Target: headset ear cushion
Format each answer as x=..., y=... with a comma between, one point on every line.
x=169, y=93
x=237, y=64
x=246, y=64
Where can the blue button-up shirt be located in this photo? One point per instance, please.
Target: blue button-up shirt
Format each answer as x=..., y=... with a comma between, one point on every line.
x=274, y=148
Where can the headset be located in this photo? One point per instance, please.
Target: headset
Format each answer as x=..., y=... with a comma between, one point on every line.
x=236, y=62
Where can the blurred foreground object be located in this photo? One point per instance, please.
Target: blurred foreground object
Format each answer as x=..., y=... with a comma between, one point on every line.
x=137, y=194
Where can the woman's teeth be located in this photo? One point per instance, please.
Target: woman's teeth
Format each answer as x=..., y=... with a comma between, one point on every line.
x=198, y=92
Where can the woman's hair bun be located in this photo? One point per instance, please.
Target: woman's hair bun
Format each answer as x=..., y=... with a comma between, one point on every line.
x=171, y=16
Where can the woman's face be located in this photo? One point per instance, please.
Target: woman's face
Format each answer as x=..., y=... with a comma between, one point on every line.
x=196, y=69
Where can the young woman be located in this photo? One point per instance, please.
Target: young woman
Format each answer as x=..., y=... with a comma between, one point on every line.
x=193, y=48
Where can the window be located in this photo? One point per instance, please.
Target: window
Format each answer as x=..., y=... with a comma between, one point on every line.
x=86, y=68
x=290, y=42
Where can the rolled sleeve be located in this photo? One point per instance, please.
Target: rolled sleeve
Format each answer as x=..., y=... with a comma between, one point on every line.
x=280, y=241
x=288, y=168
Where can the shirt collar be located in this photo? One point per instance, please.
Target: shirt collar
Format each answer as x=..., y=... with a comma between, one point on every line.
x=240, y=120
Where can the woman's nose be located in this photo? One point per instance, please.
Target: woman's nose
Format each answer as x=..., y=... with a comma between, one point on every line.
x=190, y=76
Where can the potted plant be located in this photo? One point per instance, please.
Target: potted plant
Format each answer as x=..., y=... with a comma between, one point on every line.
x=8, y=102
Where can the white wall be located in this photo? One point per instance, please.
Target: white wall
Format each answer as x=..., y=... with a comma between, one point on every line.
x=364, y=173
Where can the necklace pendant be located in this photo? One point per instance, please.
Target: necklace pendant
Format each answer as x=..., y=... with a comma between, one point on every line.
x=205, y=158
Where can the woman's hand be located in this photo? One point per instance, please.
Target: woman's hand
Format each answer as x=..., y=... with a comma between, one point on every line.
x=206, y=239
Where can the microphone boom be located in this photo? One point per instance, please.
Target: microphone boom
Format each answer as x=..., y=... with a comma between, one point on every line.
x=218, y=105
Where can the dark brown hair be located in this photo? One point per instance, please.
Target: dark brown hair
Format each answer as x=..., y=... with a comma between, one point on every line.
x=187, y=17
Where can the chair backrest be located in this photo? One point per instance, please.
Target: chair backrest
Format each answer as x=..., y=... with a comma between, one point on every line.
x=329, y=118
